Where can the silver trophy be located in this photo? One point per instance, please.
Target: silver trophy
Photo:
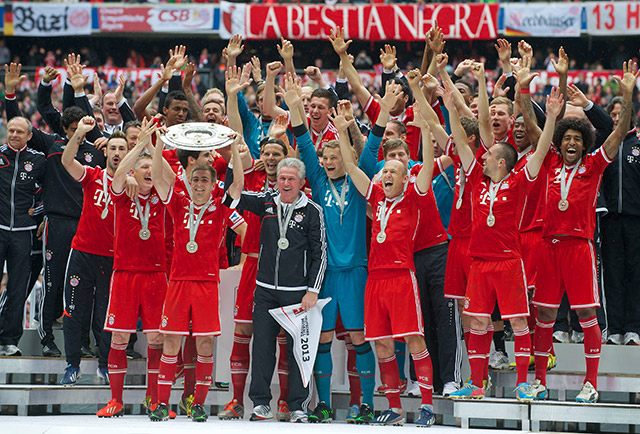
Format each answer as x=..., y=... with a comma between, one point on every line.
x=197, y=136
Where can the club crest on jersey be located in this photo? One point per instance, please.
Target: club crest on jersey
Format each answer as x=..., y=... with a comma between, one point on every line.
x=165, y=319
x=28, y=166
x=298, y=218
x=634, y=151
x=154, y=200
x=88, y=157
x=504, y=186
x=581, y=170
x=48, y=255
x=466, y=303
x=74, y=281
x=112, y=319
x=212, y=208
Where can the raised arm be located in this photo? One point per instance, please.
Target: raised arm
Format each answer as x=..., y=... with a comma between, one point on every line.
x=160, y=183
x=436, y=46
x=429, y=115
x=460, y=137
x=233, y=86
x=194, y=107
x=562, y=67
x=73, y=166
x=340, y=46
x=140, y=106
x=554, y=106
x=484, y=120
x=526, y=105
x=270, y=104
x=286, y=52
x=233, y=49
x=627, y=84
x=425, y=175
x=235, y=189
x=359, y=178
x=441, y=62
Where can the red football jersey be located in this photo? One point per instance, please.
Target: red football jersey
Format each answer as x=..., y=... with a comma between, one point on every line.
x=430, y=228
x=95, y=234
x=579, y=220
x=460, y=222
x=372, y=109
x=203, y=264
x=130, y=252
x=534, y=205
x=254, y=181
x=396, y=252
x=330, y=132
x=502, y=240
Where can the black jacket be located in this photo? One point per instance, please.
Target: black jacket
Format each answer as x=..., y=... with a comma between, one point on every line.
x=20, y=173
x=621, y=179
x=302, y=265
x=62, y=195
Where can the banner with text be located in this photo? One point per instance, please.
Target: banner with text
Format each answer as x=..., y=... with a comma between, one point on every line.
x=155, y=19
x=368, y=22
x=38, y=19
x=547, y=20
x=613, y=18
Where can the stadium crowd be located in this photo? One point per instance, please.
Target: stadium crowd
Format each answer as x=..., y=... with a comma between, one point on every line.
x=430, y=209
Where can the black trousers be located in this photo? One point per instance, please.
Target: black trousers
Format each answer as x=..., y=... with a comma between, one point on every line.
x=620, y=257
x=58, y=233
x=15, y=249
x=86, y=296
x=263, y=360
x=441, y=329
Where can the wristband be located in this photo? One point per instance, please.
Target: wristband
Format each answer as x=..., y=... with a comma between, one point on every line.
x=10, y=96
x=525, y=91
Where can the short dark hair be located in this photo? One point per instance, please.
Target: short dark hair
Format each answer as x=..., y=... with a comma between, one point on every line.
x=394, y=143
x=206, y=167
x=175, y=95
x=581, y=125
x=466, y=84
x=183, y=156
x=508, y=152
x=402, y=128
x=324, y=93
x=70, y=115
x=471, y=127
x=98, y=110
x=117, y=134
x=131, y=124
x=272, y=141
x=620, y=100
x=405, y=89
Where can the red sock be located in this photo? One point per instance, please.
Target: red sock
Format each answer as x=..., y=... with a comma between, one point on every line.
x=477, y=343
x=117, y=364
x=487, y=350
x=154, y=352
x=390, y=378
x=522, y=347
x=354, y=376
x=204, y=368
x=467, y=334
x=424, y=373
x=190, y=355
x=544, y=341
x=592, y=346
x=239, y=365
x=283, y=367
x=168, y=365
x=179, y=366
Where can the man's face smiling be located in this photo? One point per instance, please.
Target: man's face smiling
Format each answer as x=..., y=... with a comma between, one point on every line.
x=571, y=147
x=271, y=155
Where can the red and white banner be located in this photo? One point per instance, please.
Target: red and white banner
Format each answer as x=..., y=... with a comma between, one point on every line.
x=361, y=22
x=149, y=19
x=613, y=18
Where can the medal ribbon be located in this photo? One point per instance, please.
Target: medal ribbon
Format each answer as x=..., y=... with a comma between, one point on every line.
x=565, y=184
x=194, y=224
x=107, y=196
x=144, y=217
x=339, y=199
x=284, y=224
x=493, y=193
x=384, y=214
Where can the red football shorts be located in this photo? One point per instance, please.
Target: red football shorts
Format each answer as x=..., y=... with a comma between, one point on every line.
x=501, y=280
x=531, y=242
x=243, y=312
x=457, y=272
x=392, y=305
x=567, y=264
x=134, y=295
x=191, y=302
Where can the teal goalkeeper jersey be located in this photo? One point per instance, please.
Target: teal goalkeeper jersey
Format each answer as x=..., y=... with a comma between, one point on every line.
x=346, y=241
